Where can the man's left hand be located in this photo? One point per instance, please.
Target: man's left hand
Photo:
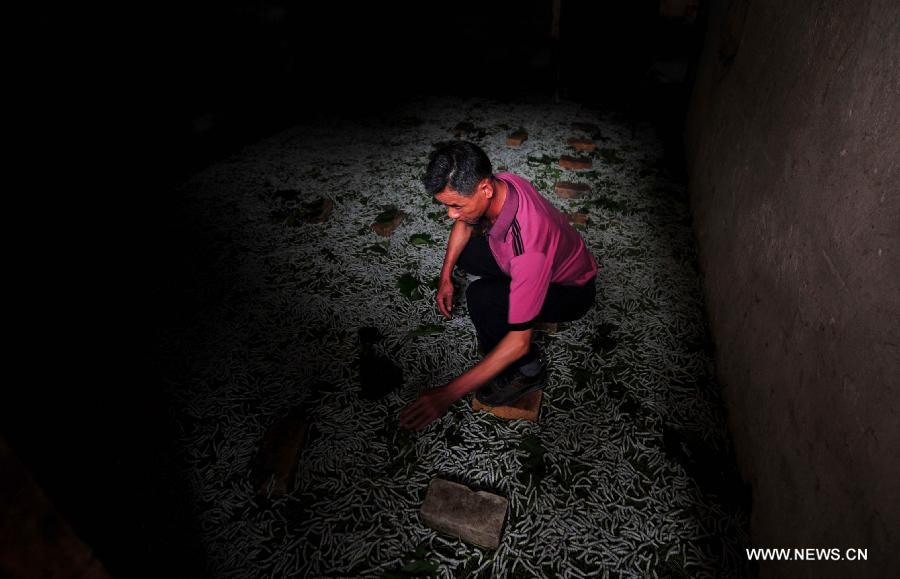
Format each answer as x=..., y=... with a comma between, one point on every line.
x=430, y=406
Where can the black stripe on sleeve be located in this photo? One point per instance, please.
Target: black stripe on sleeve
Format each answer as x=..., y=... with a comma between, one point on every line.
x=518, y=246
x=521, y=327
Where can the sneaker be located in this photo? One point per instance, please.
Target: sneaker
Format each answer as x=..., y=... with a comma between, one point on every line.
x=505, y=391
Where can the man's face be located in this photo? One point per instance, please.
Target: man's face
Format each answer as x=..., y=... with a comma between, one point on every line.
x=467, y=209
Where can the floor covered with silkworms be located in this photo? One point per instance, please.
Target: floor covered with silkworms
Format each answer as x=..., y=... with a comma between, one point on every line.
x=629, y=471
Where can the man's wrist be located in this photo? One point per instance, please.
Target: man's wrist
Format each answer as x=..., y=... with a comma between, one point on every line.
x=454, y=391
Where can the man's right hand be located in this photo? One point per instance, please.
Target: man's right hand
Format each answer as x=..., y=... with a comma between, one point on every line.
x=445, y=297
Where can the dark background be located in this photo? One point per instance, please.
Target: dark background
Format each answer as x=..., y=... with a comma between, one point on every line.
x=138, y=101
x=251, y=68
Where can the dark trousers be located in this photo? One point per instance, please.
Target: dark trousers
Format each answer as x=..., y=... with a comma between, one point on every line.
x=488, y=298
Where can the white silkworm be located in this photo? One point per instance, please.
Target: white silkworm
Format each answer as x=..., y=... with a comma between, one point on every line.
x=605, y=475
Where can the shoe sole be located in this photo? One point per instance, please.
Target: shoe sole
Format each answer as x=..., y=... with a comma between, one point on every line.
x=507, y=401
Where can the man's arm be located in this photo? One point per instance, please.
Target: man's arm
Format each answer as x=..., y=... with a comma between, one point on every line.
x=459, y=237
x=432, y=404
x=513, y=346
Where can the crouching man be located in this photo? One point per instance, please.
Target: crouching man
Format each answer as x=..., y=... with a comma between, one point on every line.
x=533, y=266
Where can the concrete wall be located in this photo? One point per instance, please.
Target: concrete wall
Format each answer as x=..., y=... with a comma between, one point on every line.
x=793, y=141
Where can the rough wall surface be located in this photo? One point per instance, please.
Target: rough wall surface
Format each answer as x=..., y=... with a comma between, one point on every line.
x=793, y=154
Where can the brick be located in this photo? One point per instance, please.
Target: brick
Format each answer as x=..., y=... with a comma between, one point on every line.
x=386, y=228
x=569, y=190
x=589, y=128
x=582, y=144
x=455, y=509
x=569, y=162
x=578, y=218
x=527, y=407
x=320, y=211
x=463, y=128
x=317, y=211
x=36, y=541
x=276, y=461
x=516, y=138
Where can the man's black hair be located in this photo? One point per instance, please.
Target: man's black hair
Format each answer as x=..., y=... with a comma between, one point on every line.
x=459, y=164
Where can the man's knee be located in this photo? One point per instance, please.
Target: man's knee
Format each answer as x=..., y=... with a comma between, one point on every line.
x=486, y=294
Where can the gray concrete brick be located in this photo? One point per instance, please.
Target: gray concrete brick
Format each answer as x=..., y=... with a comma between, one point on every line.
x=455, y=509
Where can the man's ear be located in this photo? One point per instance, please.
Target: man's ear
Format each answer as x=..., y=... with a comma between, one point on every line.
x=487, y=187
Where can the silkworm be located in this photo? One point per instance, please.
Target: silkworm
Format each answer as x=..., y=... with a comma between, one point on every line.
x=310, y=303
